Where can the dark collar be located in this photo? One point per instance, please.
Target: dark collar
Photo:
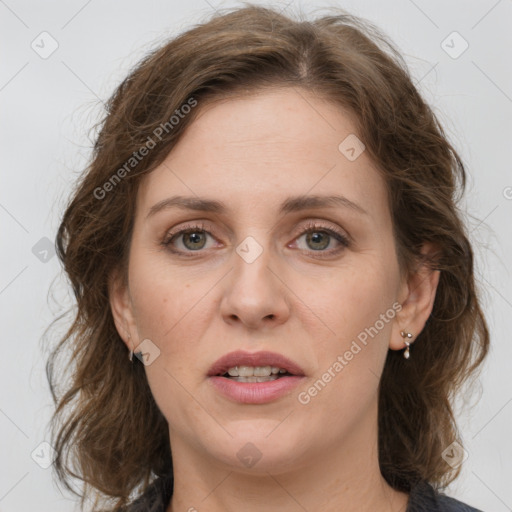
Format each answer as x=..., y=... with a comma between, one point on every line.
x=422, y=498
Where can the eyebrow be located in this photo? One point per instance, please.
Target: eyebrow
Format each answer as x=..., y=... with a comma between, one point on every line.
x=291, y=204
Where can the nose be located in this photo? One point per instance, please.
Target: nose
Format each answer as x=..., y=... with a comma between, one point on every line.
x=255, y=294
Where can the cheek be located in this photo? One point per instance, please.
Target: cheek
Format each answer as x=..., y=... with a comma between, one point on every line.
x=166, y=300
x=361, y=312
x=170, y=311
x=174, y=309
x=351, y=297
x=356, y=304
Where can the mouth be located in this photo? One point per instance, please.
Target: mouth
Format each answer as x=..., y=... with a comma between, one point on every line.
x=243, y=366
x=255, y=378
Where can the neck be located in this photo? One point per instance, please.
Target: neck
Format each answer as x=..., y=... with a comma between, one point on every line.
x=342, y=478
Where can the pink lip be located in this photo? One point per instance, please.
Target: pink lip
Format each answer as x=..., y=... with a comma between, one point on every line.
x=254, y=392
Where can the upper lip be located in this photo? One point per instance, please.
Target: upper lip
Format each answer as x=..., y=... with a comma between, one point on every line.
x=265, y=358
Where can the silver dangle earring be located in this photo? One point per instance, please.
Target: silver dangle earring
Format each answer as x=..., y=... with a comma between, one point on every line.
x=407, y=336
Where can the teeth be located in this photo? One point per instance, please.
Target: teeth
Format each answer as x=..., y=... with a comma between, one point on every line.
x=254, y=371
x=255, y=379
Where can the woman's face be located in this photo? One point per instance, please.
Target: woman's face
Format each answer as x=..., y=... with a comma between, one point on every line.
x=264, y=267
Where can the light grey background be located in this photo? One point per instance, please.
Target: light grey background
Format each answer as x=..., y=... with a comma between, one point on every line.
x=48, y=107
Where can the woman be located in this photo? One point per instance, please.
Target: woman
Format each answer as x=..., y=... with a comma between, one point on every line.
x=269, y=224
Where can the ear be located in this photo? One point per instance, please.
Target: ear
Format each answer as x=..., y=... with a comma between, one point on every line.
x=417, y=295
x=122, y=309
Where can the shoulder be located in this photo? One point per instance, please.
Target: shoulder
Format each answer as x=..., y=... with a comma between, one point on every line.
x=155, y=498
x=423, y=498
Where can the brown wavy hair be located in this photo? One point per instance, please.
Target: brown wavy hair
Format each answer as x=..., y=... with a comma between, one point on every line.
x=107, y=429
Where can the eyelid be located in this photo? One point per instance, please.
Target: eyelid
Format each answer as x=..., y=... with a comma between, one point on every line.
x=342, y=237
x=191, y=226
x=322, y=225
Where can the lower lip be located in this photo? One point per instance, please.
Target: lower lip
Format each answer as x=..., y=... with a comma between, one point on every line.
x=255, y=392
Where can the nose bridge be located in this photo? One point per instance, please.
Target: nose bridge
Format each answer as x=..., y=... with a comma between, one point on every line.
x=251, y=263
x=253, y=292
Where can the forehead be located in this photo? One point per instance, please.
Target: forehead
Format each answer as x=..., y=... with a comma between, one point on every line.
x=256, y=149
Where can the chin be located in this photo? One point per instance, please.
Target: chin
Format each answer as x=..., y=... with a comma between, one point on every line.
x=262, y=451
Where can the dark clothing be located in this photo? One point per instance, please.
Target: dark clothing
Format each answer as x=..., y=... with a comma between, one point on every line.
x=423, y=498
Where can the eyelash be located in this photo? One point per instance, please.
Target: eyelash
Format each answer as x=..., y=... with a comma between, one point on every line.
x=310, y=227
